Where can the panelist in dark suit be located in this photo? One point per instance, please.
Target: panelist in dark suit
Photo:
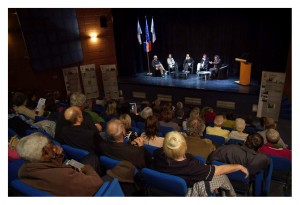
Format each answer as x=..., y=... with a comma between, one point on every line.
x=187, y=63
x=216, y=65
x=203, y=64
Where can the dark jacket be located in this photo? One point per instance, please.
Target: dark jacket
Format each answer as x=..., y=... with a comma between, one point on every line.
x=60, y=179
x=138, y=156
x=80, y=137
x=189, y=169
x=240, y=154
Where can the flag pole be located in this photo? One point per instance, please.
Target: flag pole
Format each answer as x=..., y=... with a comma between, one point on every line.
x=149, y=73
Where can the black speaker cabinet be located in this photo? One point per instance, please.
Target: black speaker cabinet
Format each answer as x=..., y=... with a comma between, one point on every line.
x=103, y=21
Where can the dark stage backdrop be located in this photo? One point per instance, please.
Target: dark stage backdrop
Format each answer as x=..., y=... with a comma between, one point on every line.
x=263, y=36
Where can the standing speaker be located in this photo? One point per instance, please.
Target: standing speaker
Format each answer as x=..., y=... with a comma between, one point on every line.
x=103, y=21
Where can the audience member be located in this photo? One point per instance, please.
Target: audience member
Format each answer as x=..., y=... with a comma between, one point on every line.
x=133, y=152
x=173, y=159
x=76, y=135
x=209, y=114
x=77, y=99
x=217, y=129
x=44, y=169
x=238, y=134
x=111, y=109
x=195, y=113
x=229, y=120
x=269, y=123
x=20, y=102
x=166, y=121
x=126, y=120
x=273, y=148
x=89, y=109
x=195, y=144
x=150, y=135
x=245, y=154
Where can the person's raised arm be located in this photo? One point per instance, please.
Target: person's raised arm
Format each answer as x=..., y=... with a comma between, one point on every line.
x=228, y=168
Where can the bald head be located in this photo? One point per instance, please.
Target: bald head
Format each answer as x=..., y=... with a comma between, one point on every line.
x=116, y=130
x=73, y=115
x=219, y=120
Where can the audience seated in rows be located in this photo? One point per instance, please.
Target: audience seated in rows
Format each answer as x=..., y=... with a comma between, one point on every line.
x=44, y=169
x=173, y=159
x=217, y=129
x=150, y=135
x=195, y=144
x=76, y=134
x=273, y=148
x=238, y=134
x=269, y=123
x=245, y=154
x=133, y=151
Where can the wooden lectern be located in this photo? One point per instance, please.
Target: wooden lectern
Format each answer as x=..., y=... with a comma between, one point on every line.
x=245, y=72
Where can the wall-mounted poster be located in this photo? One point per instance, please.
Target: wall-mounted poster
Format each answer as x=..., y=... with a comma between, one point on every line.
x=272, y=84
x=110, y=82
x=89, y=81
x=72, y=82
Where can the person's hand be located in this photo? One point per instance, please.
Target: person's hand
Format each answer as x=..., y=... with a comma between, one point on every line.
x=86, y=168
x=57, y=150
x=139, y=141
x=244, y=170
x=98, y=126
x=210, y=62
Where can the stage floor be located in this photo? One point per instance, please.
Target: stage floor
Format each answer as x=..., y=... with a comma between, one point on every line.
x=193, y=82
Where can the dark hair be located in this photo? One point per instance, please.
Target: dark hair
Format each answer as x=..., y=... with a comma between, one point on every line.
x=151, y=126
x=254, y=141
x=167, y=116
x=19, y=98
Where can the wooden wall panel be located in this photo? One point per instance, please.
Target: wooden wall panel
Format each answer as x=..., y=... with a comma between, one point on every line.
x=101, y=51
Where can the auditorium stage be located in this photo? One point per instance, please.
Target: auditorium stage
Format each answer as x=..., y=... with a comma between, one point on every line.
x=193, y=82
x=223, y=95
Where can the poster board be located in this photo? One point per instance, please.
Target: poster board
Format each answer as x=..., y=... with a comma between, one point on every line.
x=110, y=82
x=89, y=81
x=72, y=81
x=271, y=89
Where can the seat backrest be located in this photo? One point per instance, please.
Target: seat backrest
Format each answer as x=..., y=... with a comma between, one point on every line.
x=150, y=148
x=237, y=178
x=27, y=190
x=165, y=182
x=107, y=162
x=114, y=189
x=214, y=138
x=282, y=168
x=164, y=130
x=201, y=159
x=261, y=184
x=74, y=153
x=13, y=169
x=235, y=141
x=140, y=125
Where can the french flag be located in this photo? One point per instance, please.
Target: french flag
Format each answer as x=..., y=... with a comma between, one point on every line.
x=147, y=44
